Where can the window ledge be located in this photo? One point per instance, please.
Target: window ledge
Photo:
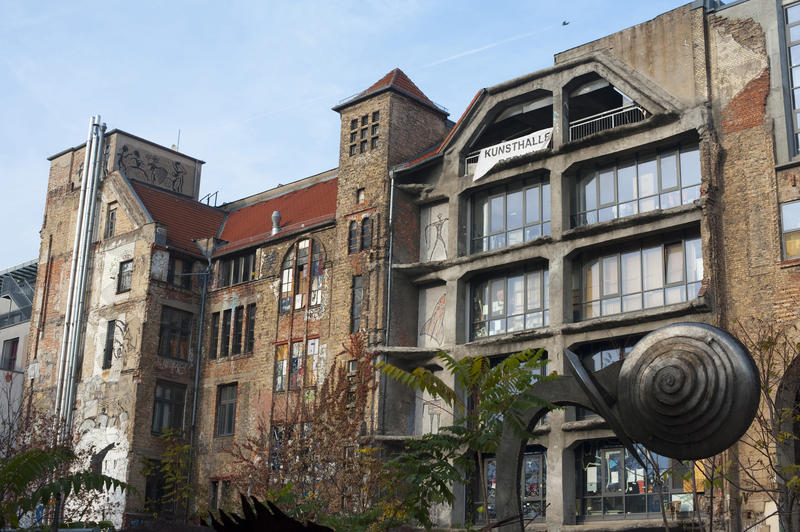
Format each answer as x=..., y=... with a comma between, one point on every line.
x=701, y=304
x=636, y=219
x=584, y=424
x=541, y=332
x=227, y=358
x=790, y=263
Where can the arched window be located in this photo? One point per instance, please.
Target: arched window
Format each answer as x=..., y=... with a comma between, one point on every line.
x=301, y=276
x=366, y=233
x=352, y=238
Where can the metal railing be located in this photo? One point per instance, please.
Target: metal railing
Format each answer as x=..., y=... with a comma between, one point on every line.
x=605, y=120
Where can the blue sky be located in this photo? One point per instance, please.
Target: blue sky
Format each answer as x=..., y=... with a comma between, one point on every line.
x=250, y=85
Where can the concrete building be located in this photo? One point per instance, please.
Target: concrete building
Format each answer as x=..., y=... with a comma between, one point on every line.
x=646, y=178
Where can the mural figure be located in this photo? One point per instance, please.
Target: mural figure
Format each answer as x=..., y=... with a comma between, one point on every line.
x=434, y=325
x=437, y=226
x=123, y=341
x=132, y=165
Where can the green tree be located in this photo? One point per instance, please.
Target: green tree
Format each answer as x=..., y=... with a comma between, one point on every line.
x=483, y=399
x=172, y=470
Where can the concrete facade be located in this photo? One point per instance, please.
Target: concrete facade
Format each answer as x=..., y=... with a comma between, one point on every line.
x=660, y=198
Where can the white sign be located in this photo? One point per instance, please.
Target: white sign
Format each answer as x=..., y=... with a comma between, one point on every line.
x=538, y=140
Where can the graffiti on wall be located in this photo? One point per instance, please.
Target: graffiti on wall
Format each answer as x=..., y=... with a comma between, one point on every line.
x=432, y=330
x=434, y=223
x=150, y=169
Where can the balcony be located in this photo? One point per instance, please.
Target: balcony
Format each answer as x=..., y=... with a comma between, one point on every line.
x=606, y=120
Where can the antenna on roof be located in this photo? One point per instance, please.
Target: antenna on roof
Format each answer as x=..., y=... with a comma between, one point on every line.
x=177, y=146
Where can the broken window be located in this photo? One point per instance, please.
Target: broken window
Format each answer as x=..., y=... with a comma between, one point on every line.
x=296, y=366
x=168, y=406
x=281, y=361
x=301, y=276
x=314, y=363
x=175, y=333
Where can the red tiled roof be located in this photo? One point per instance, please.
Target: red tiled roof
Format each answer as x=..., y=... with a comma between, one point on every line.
x=184, y=217
x=398, y=79
x=299, y=209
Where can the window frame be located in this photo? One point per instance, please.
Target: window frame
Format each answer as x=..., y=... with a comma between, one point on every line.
x=281, y=367
x=108, y=351
x=249, y=335
x=793, y=71
x=125, y=276
x=225, y=337
x=296, y=359
x=111, y=220
x=366, y=233
x=174, y=406
x=213, y=341
x=356, y=303
x=8, y=361
x=484, y=238
x=225, y=419
x=793, y=231
x=487, y=283
x=311, y=294
x=182, y=331
x=236, y=269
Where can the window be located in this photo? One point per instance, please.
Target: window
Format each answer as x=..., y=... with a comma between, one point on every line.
x=213, y=495
x=512, y=303
x=366, y=233
x=301, y=280
x=375, y=129
x=533, y=477
x=354, y=123
x=237, y=269
x=611, y=484
x=352, y=238
x=505, y=216
x=361, y=196
x=363, y=146
x=155, y=490
x=642, y=184
x=124, y=277
x=374, y=142
x=281, y=359
x=176, y=329
x=214, y=341
x=792, y=14
x=9, y=360
x=376, y=116
x=355, y=307
x=250, y=332
x=790, y=220
x=226, y=333
x=652, y=276
x=364, y=120
x=108, y=352
x=315, y=363
x=179, y=272
x=238, y=323
x=296, y=366
x=168, y=406
x=364, y=133
x=598, y=355
x=353, y=136
x=111, y=220
x=353, y=148
x=226, y=409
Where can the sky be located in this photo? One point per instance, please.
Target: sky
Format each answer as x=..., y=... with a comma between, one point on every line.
x=249, y=85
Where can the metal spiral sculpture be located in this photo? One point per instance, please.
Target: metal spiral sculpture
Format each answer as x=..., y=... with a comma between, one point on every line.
x=687, y=391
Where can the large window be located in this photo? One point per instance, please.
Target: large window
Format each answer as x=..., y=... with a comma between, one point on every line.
x=237, y=269
x=301, y=276
x=533, y=478
x=281, y=362
x=654, y=275
x=296, y=367
x=611, y=484
x=505, y=216
x=598, y=355
x=792, y=20
x=355, y=306
x=168, y=406
x=176, y=330
x=179, y=272
x=226, y=409
x=512, y=303
x=641, y=184
x=9, y=360
x=790, y=225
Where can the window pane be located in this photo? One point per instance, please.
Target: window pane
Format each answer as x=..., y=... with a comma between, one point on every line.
x=590, y=194
x=534, y=291
x=514, y=210
x=792, y=244
x=496, y=209
x=794, y=54
x=627, y=209
x=653, y=270
x=626, y=181
x=690, y=194
x=606, y=214
x=546, y=204
x=497, y=297
x=631, y=272
x=647, y=178
x=632, y=302
x=532, y=205
x=793, y=14
x=790, y=216
x=592, y=288
x=694, y=260
x=610, y=283
x=690, y=167
x=606, y=182
x=649, y=204
x=675, y=294
x=546, y=290
x=669, y=171
x=674, y=260
x=480, y=217
x=516, y=295
x=610, y=306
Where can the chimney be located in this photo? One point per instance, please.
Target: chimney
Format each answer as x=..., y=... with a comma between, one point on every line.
x=276, y=222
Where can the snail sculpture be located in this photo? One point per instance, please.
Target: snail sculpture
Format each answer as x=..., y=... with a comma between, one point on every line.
x=685, y=391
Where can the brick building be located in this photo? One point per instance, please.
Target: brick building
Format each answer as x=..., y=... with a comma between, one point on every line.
x=646, y=178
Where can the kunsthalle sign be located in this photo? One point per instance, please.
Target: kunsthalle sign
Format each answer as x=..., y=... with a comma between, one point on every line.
x=538, y=140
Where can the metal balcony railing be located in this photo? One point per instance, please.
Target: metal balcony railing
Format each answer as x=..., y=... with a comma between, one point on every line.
x=605, y=120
